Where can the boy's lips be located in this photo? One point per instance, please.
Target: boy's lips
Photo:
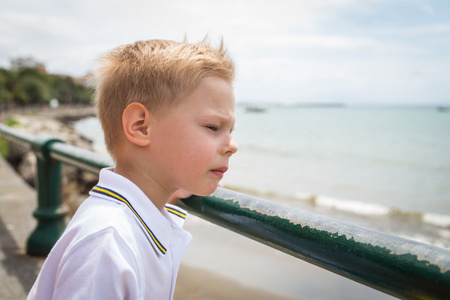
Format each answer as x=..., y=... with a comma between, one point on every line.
x=220, y=171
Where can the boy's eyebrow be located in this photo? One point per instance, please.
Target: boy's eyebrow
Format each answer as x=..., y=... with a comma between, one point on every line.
x=223, y=117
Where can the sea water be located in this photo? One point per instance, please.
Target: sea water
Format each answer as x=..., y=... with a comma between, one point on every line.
x=385, y=168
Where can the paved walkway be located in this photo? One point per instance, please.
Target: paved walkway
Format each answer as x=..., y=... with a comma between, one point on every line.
x=17, y=203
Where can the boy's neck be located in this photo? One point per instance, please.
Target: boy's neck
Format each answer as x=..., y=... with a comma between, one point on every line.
x=146, y=184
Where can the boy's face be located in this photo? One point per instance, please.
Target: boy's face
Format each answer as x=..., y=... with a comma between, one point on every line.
x=193, y=142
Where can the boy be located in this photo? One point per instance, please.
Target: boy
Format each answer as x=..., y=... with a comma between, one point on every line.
x=167, y=111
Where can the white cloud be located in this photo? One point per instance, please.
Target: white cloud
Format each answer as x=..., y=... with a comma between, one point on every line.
x=20, y=25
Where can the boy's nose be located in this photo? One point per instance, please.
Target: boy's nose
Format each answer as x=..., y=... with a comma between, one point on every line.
x=232, y=148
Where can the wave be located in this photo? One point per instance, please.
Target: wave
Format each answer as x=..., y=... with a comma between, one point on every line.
x=354, y=207
x=436, y=219
x=371, y=209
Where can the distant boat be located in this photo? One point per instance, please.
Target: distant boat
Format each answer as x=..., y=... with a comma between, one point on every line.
x=443, y=108
x=257, y=109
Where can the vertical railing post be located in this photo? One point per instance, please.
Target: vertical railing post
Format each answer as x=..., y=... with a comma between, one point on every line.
x=50, y=213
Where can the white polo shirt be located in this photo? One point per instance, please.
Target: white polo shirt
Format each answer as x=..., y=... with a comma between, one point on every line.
x=118, y=245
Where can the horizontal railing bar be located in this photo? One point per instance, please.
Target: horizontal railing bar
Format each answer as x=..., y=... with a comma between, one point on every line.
x=81, y=158
x=17, y=136
x=391, y=264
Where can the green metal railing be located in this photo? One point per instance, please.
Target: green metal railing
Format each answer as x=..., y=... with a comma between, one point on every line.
x=391, y=264
x=50, y=153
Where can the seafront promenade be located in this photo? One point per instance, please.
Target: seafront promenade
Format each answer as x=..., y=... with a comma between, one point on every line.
x=17, y=203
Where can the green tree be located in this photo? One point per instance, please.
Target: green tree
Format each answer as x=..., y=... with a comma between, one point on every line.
x=67, y=90
x=33, y=86
x=86, y=94
x=5, y=85
x=33, y=90
x=28, y=85
x=63, y=88
x=34, y=73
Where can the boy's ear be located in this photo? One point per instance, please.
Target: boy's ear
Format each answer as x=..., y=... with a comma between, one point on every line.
x=136, y=121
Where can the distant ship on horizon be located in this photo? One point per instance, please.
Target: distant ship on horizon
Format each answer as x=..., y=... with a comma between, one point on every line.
x=255, y=108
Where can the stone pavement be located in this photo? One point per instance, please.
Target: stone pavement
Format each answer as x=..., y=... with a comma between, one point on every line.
x=17, y=203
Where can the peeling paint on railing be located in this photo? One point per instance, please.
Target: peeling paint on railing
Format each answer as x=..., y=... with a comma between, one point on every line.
x=394, y=265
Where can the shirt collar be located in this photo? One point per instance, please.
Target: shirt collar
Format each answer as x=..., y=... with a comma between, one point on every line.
x=156, y=224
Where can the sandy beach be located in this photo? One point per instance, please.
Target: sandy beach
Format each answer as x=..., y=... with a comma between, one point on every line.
x=198, y=284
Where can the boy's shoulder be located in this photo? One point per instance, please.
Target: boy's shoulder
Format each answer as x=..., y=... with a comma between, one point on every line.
x=96, y=215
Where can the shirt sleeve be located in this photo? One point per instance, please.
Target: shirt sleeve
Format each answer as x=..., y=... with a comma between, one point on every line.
x=101, y=266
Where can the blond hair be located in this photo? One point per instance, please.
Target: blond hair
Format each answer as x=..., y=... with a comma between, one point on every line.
x=156, y=73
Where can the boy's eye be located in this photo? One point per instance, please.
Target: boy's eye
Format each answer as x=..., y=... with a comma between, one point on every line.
x=212, y=128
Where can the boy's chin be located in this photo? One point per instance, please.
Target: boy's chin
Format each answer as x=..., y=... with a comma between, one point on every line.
x=206, y=192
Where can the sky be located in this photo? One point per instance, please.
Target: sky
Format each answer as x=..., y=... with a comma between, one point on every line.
x=361, y=52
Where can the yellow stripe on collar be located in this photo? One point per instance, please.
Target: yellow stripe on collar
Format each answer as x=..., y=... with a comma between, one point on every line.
x=112, y=194
x=176, y=212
